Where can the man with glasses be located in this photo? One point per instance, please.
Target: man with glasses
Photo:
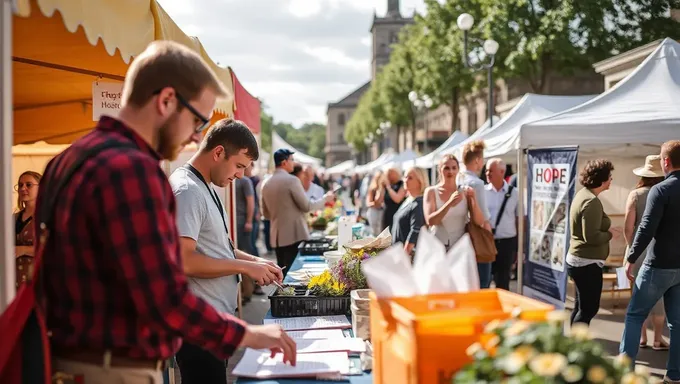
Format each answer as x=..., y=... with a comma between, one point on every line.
x=118, y=301
x=284, y=202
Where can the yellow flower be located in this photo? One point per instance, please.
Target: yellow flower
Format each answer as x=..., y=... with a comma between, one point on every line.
x=517, y=359
x=631, y=378
x=622, y=361
x=516, y=328
x=492, y=326
x=473, y=349
x=642, y=370
x=580, y=331
x=557, y=316
x=596, y=374
x=609, y=380
x=572, y=374
x=548, y=364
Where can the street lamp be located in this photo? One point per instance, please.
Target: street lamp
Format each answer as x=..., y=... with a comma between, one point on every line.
x=422, y=104
x=490, y=47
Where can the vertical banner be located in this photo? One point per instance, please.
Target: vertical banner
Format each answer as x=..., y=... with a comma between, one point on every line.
x=551, y=183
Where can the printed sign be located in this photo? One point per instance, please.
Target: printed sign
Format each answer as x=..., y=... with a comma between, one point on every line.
x=106, y=99
x=552, y=177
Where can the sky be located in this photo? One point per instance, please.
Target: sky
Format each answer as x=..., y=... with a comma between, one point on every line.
x=296, y=55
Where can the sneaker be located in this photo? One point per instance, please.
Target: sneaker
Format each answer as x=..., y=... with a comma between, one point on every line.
x=669, y=381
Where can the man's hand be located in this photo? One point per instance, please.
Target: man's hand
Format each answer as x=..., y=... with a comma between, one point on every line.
x=329, y=197
x=272, y=337
x=263, y=272
x=248, y=227
x=629, y=271
x=278, y=270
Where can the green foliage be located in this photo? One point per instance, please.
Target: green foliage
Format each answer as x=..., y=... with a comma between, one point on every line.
x=366, y=118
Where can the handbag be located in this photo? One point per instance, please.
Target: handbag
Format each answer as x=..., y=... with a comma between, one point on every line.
x=482, y=241
x=25, y=348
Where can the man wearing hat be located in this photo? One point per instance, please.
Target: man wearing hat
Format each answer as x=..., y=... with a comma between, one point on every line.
x=659, y=276
x=284, y=203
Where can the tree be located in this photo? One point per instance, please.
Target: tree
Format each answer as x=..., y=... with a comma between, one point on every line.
x=542, y=38
x=266, y=126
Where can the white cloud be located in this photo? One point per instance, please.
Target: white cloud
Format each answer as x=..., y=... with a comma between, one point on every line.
x=297, y=55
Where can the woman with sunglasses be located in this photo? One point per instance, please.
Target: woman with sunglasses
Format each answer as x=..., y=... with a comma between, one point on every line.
x=27, y=190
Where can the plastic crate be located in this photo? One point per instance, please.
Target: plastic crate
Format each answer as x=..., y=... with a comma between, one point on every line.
x=301, y=305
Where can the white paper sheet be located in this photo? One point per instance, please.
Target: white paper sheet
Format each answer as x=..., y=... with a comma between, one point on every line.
x=622, y=281
x=258, y=364
x=316, y=334
x=316, y=322
x=347, y=344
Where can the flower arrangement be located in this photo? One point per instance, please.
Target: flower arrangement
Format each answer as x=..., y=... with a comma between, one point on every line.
x=517, y=351
x=326, y=284
x=348, y=269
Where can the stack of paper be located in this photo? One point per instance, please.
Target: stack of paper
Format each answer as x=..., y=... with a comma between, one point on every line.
x=303, y=323
x=259, y=365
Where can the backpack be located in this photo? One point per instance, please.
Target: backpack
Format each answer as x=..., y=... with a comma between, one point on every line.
x=25, y=348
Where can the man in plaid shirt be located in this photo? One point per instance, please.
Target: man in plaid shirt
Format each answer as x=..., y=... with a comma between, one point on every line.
x=118, y=303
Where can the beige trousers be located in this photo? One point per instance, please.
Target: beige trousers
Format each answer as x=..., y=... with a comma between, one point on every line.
x=98, y=374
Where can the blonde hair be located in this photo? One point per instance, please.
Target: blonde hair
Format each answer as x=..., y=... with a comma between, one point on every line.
x=392, y=170
x=375, y=181
x=473, y=150
x=421, y=176
x=168, y=64
x=442, y=161
x=21, y=205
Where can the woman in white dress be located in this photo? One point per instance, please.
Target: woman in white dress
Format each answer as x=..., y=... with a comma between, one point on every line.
x=447, y=206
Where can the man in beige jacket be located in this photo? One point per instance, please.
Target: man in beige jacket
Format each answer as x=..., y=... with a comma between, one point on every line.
x=284, y=203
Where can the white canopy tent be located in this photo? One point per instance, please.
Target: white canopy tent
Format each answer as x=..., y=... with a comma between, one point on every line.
x=385, y=157
x=634, y=117
x=476, y=134
x=429, y=160
x=342, y=168
x=403, y=160
x=302, y=158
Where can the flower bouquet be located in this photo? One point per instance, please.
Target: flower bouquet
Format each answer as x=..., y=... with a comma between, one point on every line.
x=348, y=269
x=517, y=351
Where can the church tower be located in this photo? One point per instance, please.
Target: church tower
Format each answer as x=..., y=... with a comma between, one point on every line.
x=385, y=32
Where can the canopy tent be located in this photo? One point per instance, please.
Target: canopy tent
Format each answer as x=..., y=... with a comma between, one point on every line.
x=342, y=168
x=246, y=106
x=632, y=118
x=503, y=138
x=402, y=160
x=279, y=143
x=57, y=55
x=385, y=157
x=429, y=160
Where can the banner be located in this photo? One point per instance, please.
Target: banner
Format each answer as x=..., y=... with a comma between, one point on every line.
x=551, y=184
x=106, y=99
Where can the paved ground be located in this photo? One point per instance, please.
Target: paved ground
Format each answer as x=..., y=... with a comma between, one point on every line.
x=607, y=328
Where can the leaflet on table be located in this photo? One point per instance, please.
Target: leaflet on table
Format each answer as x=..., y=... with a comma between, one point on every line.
x=259, y=365
x=316, y=334
x=314, y=322
x=347, y=344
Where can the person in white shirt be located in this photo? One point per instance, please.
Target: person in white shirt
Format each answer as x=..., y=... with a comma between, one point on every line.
x=312, y=190
x=502, y=201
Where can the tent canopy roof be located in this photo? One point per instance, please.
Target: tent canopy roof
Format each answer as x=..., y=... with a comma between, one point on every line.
x=642, y=109
x=300, y=157
x=428, y=161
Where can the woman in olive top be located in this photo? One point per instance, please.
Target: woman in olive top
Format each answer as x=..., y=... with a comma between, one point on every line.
x=590, y=235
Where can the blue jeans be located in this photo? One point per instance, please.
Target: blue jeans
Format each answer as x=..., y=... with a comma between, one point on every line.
x=484, y=270
x=254, y=235
x=652, y=284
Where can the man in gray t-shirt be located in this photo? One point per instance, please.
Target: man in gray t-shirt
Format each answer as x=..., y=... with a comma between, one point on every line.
x=210, y=261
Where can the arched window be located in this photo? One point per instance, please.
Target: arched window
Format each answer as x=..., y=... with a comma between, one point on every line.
x=341, y=119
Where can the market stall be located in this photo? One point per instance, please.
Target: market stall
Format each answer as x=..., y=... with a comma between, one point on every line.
x=342, y=168
x=279, y=143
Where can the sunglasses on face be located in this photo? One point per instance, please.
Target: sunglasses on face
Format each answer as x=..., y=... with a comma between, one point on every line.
x=202, y=122
x=28, y=185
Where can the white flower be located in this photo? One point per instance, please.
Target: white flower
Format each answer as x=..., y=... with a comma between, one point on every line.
x=622, y=361
x=473, y=349
x=596, y=374
x=572, y=374
x=493, y=342
x=642, y=370
x=557, y=316
x=517, y=359
x=517, y=328
x=516, y=312
x=548, y=364
x=580, y=331
x=631, y=378
x=492, y=326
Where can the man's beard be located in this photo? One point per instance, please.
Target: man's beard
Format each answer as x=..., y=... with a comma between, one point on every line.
x=167, y=147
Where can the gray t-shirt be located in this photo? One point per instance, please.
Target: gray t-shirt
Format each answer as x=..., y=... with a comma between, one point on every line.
x=469, y=179
x=244, y=189
x=199, y=218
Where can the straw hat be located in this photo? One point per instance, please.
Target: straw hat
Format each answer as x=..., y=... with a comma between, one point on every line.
x=652, y=167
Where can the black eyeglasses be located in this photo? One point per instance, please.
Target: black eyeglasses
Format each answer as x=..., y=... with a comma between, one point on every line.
x=204, y=122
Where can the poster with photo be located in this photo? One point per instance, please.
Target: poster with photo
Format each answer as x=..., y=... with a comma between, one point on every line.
x=551, y=185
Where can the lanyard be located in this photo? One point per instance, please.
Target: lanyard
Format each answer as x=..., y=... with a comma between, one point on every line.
x=213, y=195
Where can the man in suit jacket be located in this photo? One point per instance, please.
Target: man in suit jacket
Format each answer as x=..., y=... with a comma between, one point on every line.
x=284, y=203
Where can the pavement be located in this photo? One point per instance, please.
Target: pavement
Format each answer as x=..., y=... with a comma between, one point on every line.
x=607, y=327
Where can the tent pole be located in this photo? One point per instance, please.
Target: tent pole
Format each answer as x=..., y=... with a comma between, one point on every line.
x=7, y=277
x=520, y=225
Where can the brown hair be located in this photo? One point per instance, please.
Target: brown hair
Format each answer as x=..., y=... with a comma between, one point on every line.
x=375, y=181
x=473, y=150
x=168, y=64
x=20, y=204
x=671, y=150
x=234, y=136
x=595, y=173
x=648, y=181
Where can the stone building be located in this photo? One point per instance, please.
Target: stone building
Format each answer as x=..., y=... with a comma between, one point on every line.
x=385, y=31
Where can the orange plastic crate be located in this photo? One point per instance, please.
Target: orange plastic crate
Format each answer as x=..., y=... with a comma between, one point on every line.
x=423, y=339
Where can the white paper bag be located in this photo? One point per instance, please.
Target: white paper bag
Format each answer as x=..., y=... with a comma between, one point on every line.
x=390, y=273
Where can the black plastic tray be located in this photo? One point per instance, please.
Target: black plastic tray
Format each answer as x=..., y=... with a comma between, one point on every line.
x=301, y=305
